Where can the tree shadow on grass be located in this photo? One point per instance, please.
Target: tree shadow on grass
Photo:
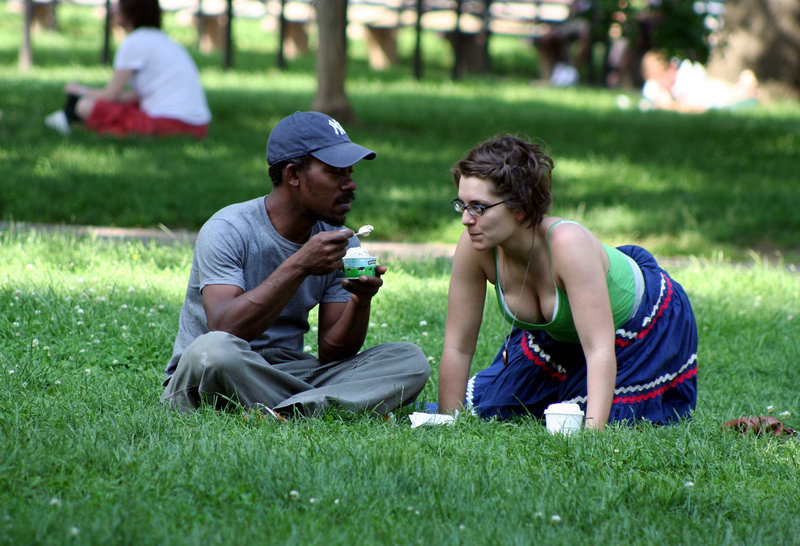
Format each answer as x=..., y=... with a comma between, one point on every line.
x=684, y=183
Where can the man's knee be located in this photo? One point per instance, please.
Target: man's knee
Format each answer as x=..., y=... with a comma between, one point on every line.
x=207, y=372
x=414, y=359
x=211, y=353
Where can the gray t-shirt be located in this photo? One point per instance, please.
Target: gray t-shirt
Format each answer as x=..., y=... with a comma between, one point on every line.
x=239, y=246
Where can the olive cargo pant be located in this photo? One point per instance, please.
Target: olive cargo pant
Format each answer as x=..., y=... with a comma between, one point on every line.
x=219, y=368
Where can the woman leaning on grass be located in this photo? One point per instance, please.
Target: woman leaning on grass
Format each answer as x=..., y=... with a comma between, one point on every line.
x=603, y=327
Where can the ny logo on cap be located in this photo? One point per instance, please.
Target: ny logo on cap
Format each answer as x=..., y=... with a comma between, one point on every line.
x=338, y=129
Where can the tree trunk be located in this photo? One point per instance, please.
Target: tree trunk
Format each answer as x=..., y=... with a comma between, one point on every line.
x=763, y=36
x=25, y=60
x=332, y=61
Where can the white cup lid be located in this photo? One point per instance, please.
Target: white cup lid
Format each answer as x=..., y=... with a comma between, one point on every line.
x=564, y=408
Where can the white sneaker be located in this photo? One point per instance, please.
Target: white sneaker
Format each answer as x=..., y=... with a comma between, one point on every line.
x=57, y=121
x=564, y=75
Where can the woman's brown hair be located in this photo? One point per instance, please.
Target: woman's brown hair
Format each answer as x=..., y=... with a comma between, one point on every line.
x=519, y=170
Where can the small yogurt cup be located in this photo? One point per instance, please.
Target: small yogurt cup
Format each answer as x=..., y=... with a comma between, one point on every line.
x=362, y=265
x=563, y=418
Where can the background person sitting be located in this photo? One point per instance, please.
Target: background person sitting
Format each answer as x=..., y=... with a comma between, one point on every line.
x=155, y=88
x=558, y=64
x=685, y=86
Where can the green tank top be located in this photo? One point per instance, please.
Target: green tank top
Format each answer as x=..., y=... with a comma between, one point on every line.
x=625, y=289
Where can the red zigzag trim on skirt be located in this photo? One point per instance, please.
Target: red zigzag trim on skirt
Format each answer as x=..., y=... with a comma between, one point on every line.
x=657, y=392
x=539, y=362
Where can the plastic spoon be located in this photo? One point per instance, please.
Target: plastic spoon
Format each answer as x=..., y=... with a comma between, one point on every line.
x=363, y=231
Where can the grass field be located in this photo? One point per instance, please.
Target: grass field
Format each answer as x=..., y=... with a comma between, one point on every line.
x=87, y=324
x=88, y=454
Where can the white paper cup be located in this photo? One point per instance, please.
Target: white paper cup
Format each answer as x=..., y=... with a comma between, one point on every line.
x=563, y=418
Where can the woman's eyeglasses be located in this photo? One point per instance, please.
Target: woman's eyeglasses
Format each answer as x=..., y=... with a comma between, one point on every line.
x=473, y=210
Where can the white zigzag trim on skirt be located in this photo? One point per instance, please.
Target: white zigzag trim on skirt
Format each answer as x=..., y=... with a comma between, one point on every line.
x=546, y=357
x=653, y=312
x=648, y=319
x=470, y=395
x=666, y=378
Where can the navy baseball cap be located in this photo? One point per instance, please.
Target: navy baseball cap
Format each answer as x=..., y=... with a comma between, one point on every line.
x=317, y=134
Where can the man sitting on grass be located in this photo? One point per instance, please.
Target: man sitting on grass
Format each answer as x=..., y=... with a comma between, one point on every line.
x=260, y=266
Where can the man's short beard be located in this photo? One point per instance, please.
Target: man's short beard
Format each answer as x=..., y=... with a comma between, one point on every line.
x=336, y=222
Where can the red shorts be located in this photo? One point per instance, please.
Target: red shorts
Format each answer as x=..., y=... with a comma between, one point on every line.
x=127, y=118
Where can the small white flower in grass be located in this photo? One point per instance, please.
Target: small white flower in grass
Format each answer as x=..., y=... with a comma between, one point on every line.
x=462, y=527
x=58, y=381
x=132, y=289
x=87, y=371
x=80, y=311
x=11, y=372
x=35, y=342
x=431, y=359
x=315, y=329
x=689, y=484
x=307, y=349
x=46, y=348
x=424, y=334
x=555, y=518
x=294, y=494
x=785, y=414
x=115, y=361
x=538, y=515
x=15, y=324
x=384, y=325
x=335, y=501
x=423, y=323
x=74, y=531
x=312, y=500
x=770, y=409
x=55, y=501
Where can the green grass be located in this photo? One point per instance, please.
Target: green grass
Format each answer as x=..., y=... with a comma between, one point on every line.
x=87, y=325
x=695, y=185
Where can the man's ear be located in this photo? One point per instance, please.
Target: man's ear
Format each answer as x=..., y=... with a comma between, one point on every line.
x=291, y=175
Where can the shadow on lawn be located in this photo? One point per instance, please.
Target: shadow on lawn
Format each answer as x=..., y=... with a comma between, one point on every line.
x=688, y=183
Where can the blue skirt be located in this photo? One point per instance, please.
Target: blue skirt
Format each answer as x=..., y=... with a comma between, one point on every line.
x=656, y=362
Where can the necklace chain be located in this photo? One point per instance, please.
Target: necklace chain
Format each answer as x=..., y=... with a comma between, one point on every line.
x=519, y=299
